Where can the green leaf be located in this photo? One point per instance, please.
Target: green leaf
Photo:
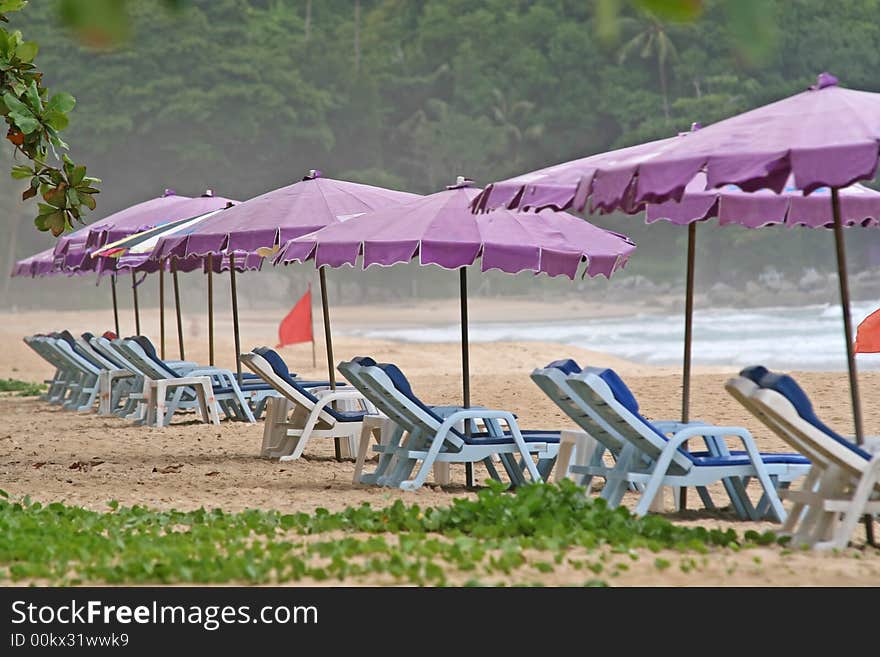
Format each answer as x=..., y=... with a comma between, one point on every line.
x=22, y=171
x=56, y=196
x=57, y=120
x=33, y=96
x=25, y=122
x=15, y=105
x=87, y=200
x=61, y=102
x=77, y=175
x=12, y=5
x=27, y=51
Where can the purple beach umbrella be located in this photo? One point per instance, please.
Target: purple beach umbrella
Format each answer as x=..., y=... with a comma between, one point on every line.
x=440, y=229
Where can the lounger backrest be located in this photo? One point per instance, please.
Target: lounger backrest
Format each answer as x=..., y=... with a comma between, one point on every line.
x=281, y=381
x=135, y=353
x=150, y=351
x=75, y=359
x=783, y=411
x=104, y=346
x=353, y=371
x=612, y=400
x=552, y=380
x=788, y=388
x=86, y=342
x=395, y=398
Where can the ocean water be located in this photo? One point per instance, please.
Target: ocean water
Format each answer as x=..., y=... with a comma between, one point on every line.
x=808, y=337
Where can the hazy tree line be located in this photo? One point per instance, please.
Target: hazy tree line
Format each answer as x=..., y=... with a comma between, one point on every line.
x=246, y=95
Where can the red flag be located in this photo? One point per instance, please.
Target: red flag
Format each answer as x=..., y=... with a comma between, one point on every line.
x=297, y=326
x=868, y=334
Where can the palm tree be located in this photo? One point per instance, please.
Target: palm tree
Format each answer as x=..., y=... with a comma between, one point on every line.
x=515, y=116
x=652, y=41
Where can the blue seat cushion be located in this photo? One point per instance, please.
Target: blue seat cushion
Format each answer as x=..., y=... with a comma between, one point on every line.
x=258, y=387
x=278, y=366
x=566, y=366
x=742, y=458
x=754, y=373
x=530, y=436
x=789, y=388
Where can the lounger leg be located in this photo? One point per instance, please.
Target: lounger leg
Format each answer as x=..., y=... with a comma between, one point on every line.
x=616, y=482
x=161, y=399
x=388, y=458
x=427, y=463
x=490, y=468
x=403, y=464
x=367, y=434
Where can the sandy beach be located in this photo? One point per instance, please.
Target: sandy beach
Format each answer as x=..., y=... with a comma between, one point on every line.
x=82, y=459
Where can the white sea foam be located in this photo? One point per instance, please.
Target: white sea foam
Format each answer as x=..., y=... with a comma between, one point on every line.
x=809, y=337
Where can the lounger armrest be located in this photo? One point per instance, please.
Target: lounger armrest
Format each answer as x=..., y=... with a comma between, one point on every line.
x=325, y=400
x=223, y=378
x=674, y=426
x=477, y=414
x=719, y=432
x=337, y=394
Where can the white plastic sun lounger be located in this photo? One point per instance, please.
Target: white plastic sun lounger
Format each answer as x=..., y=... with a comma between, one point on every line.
x=431, y=438
x=652, y=458
x=844, y=483
x=308, y=412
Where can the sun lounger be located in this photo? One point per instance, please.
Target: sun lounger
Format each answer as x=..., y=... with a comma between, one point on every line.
x=65, y=373
x=651, y=457
x=842, y=485
x=432, y=438
x=310, y=411
x=160, y=376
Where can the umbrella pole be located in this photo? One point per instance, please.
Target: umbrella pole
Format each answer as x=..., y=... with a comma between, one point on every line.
x=329, y=342
x=688, y=337
x=465, y=366
x=843, y=280
x=177, y=309
x=115, y=304
x=137, y=314
x=162, y=310
x=211, y=309
x=235, y=318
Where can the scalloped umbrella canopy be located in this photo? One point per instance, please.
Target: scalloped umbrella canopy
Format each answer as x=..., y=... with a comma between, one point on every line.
x=72, y=251
x=36, y=265
x=859, y=206
x=268, y=221
x=826, y=136
x=440, y=229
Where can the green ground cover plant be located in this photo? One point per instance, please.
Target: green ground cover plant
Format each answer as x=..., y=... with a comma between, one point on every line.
x=23, y=388
x=497, y=532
